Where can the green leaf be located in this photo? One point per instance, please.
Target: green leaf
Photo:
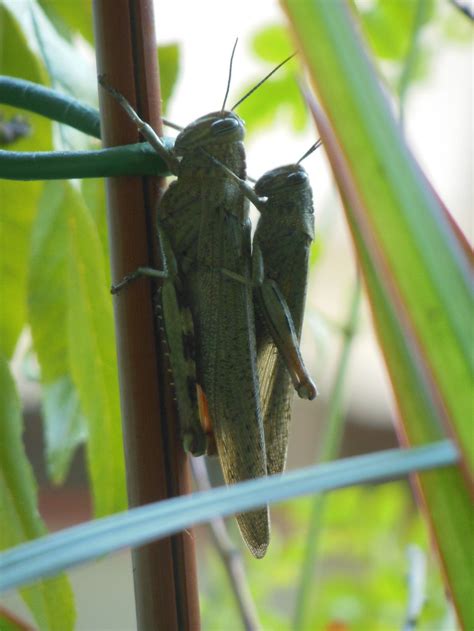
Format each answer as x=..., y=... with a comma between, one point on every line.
x=389, y=25
x=92, y=358
x=93, y=193
x=278, y=94
x=64, y=426
x=168, y=59
x=415, y=268
x=69, y=68
x=70, y=18
x=272, y=44
x=50, y=601
x=16, y=217
x=275, y=96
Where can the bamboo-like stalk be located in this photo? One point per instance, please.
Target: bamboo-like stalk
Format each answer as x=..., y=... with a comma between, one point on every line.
x=164, y=572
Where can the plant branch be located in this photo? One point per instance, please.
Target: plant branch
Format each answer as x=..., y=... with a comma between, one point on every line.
x=138, y=159
x=164, y=571
x=36, y=98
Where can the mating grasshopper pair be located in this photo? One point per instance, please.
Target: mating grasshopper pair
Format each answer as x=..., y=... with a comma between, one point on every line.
x=232, y=317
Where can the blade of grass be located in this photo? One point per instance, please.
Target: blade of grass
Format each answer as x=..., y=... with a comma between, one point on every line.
x=429, y=272
x=136, y=527
x=415, y=267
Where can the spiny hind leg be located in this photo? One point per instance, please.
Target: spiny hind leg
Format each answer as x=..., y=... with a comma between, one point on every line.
x=278, y=322
x=175, y=319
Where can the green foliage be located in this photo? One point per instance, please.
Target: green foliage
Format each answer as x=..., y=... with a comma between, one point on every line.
x=389, y=26
x=168, y=58
x=415, y=265
x=91, y=344
x=280, y=94
x=50, y=601
x=16, y=218
x=55, y=279
x=360, y=578
x=70, y=18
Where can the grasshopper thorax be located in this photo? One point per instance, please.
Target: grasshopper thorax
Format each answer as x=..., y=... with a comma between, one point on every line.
x=212, y=129
x=288, y=179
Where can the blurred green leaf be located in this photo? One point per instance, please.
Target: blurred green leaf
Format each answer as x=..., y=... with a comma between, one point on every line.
x=70, y=18
x=272, y=44
x=389, y=26
x=92, y=358
x=275, y=96
x=6, y=624
x=280, y=93
x=69, y=68
x=414, y=263
x=50, y=601
x=361, y=578
x=64, y=426
x=18, y=199
x=93, y=193
x=168, y=59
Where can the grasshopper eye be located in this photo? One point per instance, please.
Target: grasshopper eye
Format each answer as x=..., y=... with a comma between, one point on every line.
x=224, y=125
x=300, y=177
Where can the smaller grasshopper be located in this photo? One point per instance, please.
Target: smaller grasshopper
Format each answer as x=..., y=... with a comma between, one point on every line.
x=280, y=255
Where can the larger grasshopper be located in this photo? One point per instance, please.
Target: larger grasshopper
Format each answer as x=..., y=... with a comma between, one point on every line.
x=281, y=246
x=205, y=219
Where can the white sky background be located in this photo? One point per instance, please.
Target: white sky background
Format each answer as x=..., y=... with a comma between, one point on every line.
x=438, y=126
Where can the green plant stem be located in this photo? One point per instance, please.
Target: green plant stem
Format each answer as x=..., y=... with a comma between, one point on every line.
x=138, y=159
x=329, y=450
x=36, y=98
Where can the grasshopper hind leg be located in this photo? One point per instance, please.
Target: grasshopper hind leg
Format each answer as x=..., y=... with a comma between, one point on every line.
x=175, y=320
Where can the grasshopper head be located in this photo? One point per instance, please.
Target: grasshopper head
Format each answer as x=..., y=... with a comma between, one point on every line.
x=211, y=129
x=290, y=178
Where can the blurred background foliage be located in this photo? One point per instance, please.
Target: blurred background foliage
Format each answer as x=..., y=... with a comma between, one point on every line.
x=360, y=579
x=360, y=574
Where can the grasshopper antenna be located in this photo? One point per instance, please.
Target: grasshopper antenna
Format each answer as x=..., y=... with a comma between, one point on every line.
x=252, y=90
x=316, y=145
x=168, y=123
x=230, y=74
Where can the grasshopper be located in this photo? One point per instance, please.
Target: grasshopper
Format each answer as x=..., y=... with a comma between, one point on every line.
x=281, y=245
x=204, y=218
